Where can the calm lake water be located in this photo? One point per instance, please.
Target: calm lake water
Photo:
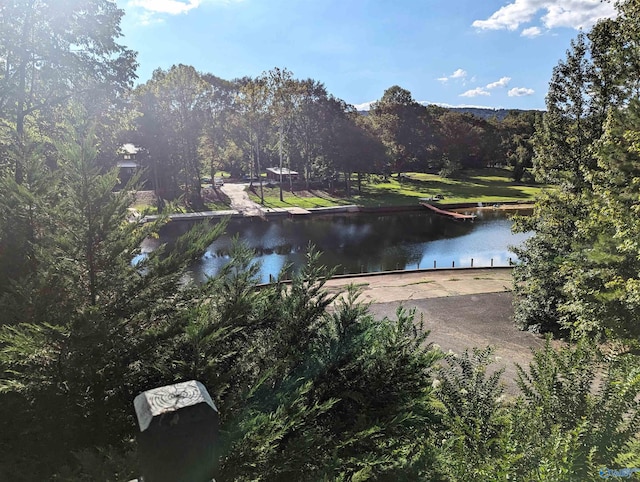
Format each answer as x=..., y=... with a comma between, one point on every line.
x=356, y=243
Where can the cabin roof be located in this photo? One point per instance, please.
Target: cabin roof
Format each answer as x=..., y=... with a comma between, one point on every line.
x=285, y=171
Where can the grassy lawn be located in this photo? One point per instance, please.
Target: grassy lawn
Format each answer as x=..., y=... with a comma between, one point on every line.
x=484, y=185
x=302, y=199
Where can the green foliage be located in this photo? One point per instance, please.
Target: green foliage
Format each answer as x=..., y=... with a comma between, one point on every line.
x=81, y=333
x=56, y=54
x=476, y=419
x=577, y=413
x=108, y=464
x=175, y=105
x=605, y=296
x=578, y=273
x=313, y=372
x=581, y=412
x=309, y=385
x=26, y=224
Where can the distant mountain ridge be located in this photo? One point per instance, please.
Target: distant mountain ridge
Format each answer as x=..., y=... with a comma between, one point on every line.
x=483, y=113
x=480, y=112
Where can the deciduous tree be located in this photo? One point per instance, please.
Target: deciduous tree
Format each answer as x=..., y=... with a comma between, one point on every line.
x=175, y=106
x=53, y=51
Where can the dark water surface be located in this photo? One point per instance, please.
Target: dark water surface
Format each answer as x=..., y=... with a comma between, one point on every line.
x=358, y=243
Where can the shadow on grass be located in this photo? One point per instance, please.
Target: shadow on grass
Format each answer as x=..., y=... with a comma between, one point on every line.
x=490, y=185
x=471, y=188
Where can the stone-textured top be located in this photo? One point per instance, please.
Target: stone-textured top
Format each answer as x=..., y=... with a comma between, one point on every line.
x=162, y=400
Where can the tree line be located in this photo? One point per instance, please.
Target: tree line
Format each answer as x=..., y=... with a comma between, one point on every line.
x=310, y=386
x=192, y=124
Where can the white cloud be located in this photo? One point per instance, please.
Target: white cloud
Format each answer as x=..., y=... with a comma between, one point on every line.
x=503, y=82
x=475, y=92
x=458, y=74
x=563, y=15
x=172, y=7
x=520, y=92
x=531, y=32
x=150, y=8
x=559, y=13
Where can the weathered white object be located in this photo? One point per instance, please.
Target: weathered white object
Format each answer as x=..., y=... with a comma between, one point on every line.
x=171, y=398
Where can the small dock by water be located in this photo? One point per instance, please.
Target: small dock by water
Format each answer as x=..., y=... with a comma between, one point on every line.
x=292, y=211
x=450, y=214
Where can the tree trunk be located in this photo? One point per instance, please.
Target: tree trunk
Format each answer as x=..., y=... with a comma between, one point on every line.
x=156, y=187
x=259, y=170
x=280, y=150
x=21, y=101
x=20, y=115
x=251, y=169
x=306, y=172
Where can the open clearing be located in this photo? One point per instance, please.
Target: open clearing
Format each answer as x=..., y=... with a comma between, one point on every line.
x=462, y=308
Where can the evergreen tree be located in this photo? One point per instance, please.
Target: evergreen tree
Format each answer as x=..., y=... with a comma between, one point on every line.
x=565, y=158
x=578, y=270
x=87, y=322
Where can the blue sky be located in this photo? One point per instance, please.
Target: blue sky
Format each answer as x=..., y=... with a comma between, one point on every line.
x=486, y=53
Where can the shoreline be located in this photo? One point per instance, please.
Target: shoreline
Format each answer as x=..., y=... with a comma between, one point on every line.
x=351, y=209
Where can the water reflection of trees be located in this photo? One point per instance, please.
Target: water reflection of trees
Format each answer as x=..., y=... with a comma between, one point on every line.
x=351, y=242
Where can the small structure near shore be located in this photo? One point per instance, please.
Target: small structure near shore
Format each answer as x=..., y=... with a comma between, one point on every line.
x=274, y=173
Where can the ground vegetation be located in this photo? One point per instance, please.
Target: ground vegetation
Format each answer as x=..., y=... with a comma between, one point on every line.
x=310, y=386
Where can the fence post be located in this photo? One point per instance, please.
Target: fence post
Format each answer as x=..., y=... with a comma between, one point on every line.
x=453, y=264
x=492, y=262
x=434, y=264
x=178, y=433
x=472, y=262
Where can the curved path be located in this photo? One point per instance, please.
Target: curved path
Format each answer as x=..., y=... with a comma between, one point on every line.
x=240, y=200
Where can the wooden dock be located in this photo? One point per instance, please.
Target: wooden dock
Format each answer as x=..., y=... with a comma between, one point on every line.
x=296, y=211
x=450, y=214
